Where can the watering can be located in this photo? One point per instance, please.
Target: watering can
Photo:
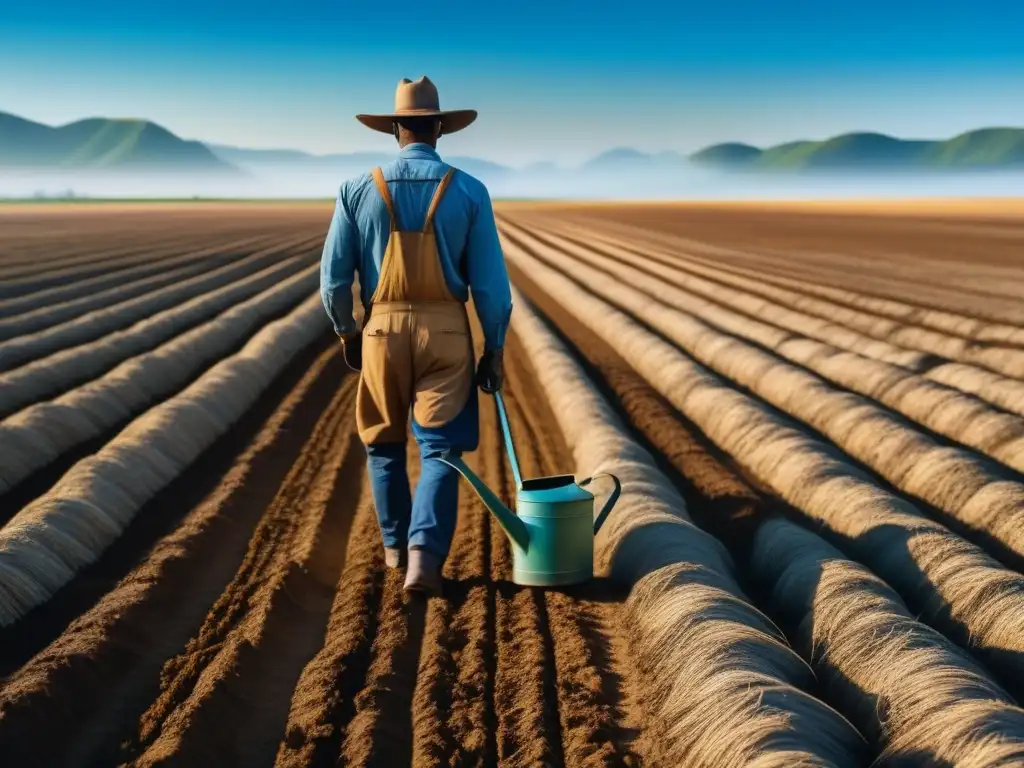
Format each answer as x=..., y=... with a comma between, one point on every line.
x=552, y=531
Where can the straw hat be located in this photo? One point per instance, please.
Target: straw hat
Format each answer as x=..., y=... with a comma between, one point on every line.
x=419, y=99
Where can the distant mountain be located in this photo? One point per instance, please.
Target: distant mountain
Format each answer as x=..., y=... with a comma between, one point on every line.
x=256, y=157
x=627, y=157
x=342, y=164
x=484, y=169
x=115, y=145
x=101, y=143
x=986, y=148
x=733, y=153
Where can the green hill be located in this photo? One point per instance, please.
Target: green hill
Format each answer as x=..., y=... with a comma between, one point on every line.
x=101, y=143
x=627, y=157
x=981, y=148
x=987, y=148
x=732, y=153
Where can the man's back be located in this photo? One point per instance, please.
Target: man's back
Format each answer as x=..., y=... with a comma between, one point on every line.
x=467, y=240
x=412, y=179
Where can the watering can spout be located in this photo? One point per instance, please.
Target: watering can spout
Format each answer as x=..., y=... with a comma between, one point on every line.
x=553, y=534
x=515, y=529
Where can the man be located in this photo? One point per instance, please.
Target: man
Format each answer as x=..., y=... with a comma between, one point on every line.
x=422, y=236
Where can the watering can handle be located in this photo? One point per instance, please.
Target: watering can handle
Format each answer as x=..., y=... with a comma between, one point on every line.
x=611, y=499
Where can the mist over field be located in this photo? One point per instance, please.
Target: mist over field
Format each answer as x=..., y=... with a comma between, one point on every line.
x=132, y=158
x=680, y=181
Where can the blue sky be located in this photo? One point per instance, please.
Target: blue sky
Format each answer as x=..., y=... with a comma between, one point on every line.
x=552, y=80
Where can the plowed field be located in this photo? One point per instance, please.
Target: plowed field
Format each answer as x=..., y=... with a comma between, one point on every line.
x=818, y=418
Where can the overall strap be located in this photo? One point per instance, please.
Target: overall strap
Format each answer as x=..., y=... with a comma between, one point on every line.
x=382, y=187
x=428, y=224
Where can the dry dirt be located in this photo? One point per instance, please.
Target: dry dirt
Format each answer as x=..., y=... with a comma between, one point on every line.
x=246, y=618
x=965, y=231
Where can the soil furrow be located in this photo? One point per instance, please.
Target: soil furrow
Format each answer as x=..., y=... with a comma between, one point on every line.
x=882, y=475
x=50, y=250
x=107, y=281
x=238, y=713
x=44, y=478
x=89, y=255
x=44, y=317
x=526, y=707
x=91, y=678
x=380, y=732
x=324, y=698
x=453, y=717
x=894, y=277
x=140, y=323
x=926, y=291
x=187, y=721
x=718, y=497
x=808, y=233
x=589, y=688
x=722, y=502
x=581, y=619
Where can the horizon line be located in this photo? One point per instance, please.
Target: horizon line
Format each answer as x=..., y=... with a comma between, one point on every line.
x=685, y=155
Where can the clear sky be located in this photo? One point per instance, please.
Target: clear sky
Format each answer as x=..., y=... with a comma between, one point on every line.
x=553, y=80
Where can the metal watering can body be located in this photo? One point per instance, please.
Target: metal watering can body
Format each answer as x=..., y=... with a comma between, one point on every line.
x=552, y=530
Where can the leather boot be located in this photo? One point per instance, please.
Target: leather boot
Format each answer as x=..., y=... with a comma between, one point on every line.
x=424, y=574
x=394, y=557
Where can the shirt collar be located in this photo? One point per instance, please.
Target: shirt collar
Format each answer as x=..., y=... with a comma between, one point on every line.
x=420, y=151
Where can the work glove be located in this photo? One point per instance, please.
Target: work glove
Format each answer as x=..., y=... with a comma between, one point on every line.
x=352, y=349
x=489, y=371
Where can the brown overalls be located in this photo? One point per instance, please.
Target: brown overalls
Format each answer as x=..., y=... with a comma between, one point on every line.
x=417, y=348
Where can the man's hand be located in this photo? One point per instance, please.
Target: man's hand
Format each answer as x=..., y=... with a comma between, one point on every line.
x=352, y=349
x=489, y=374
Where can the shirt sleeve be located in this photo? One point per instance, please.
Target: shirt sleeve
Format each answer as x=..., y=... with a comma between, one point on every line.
x=338, y=267
x=488, y=277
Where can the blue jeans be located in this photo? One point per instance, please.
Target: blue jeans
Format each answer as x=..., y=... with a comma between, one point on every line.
x=427, y=519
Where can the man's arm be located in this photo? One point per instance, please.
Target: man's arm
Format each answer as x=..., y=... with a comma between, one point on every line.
x=337, y=268
x=488, y=277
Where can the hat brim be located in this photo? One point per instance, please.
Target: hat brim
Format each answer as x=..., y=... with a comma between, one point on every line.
x=452, y=120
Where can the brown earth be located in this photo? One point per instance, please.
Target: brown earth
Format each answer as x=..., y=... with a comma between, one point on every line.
x=245, y=617
x=946, y=206
x=263, y=626
x=975, y=233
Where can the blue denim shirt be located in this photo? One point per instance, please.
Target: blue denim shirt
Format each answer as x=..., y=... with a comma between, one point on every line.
x=467, y=239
